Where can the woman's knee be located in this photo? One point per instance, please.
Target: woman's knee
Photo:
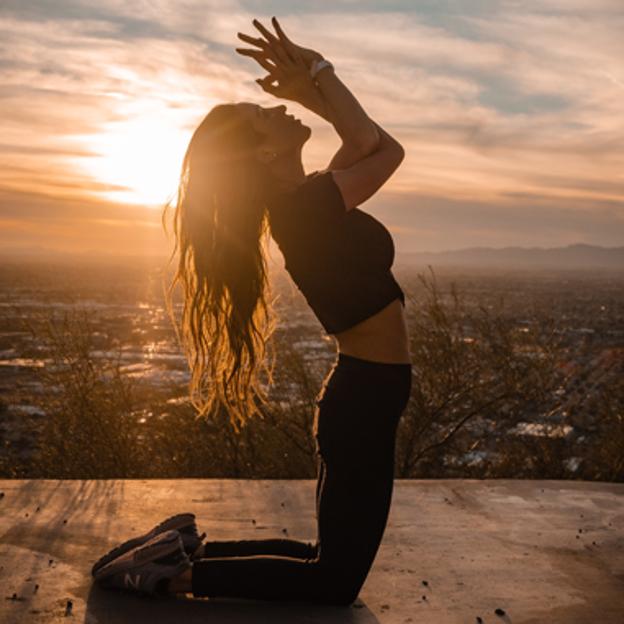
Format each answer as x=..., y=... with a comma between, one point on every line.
x=341, y=586
x=340, y=596
x=346, y=598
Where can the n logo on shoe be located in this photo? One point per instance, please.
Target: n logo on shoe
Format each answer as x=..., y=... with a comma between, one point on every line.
x=129, y=582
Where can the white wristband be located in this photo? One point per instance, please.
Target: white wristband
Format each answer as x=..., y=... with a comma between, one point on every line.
x=318, y=65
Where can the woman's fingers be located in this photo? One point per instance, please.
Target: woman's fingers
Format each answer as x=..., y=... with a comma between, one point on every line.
x=266, y=48
x=273, y=51
x=278, y=29
x=261, y=43
x=259, y=57
x=282, y=35
x=274, y=42
x=268, y=81
x=267, y=84
x=280, y=57
x=291, y=48
x=270, y=37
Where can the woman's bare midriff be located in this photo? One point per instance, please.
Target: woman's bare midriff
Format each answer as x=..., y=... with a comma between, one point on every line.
x=382, y=337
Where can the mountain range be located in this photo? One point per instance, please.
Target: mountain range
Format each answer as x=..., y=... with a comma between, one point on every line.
x=578, y=256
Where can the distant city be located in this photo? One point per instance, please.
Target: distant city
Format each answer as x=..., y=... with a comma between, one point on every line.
x=583, y=305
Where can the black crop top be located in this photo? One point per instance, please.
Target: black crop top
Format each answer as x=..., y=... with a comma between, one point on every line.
x=339, y=259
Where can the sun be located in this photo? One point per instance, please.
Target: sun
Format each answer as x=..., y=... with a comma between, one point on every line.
x=137, y=159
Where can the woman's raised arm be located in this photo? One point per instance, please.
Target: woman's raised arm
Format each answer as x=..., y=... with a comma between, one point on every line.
x=327, y=95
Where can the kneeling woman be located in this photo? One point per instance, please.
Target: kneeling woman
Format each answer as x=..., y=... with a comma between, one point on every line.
x=243, y=171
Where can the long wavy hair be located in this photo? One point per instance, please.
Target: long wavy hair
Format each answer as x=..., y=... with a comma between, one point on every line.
x=221, y=234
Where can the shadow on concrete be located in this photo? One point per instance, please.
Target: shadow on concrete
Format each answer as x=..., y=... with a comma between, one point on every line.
x=45, y=513
x=120, y=607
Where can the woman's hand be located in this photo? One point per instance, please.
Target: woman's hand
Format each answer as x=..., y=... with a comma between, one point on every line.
x=282, y=42
x=286, y=62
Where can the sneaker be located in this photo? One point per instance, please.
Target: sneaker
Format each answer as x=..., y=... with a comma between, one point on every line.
x=183, y=523
x=146, y=568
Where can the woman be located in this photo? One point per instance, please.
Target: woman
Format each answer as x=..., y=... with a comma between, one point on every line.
x=244, y=164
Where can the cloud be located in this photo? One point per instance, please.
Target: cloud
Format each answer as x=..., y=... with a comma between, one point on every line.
x=494, y=102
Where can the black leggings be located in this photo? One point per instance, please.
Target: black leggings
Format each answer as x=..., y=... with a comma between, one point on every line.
x=355, y=422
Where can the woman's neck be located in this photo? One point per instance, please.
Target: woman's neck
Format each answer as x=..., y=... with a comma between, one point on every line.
x=288, y=171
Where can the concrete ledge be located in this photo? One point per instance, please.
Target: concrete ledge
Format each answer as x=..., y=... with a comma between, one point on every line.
x=543, y=551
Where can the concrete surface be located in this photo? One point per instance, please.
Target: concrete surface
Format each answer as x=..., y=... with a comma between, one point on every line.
x=543, y=551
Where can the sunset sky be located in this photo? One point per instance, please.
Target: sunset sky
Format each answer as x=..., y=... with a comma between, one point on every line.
x=511, y=113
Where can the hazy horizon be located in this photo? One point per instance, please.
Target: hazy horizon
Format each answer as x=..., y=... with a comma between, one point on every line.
x=510, y=114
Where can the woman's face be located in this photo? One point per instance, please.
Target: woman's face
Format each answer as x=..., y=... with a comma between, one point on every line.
x=283, y=133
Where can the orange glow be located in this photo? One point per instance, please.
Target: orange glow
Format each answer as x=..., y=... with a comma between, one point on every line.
x=143, y=153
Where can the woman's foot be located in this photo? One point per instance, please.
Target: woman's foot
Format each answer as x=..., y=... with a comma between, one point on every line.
x=199, y=551
x=148, y=568
x=184, y=523
x=181, y=584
